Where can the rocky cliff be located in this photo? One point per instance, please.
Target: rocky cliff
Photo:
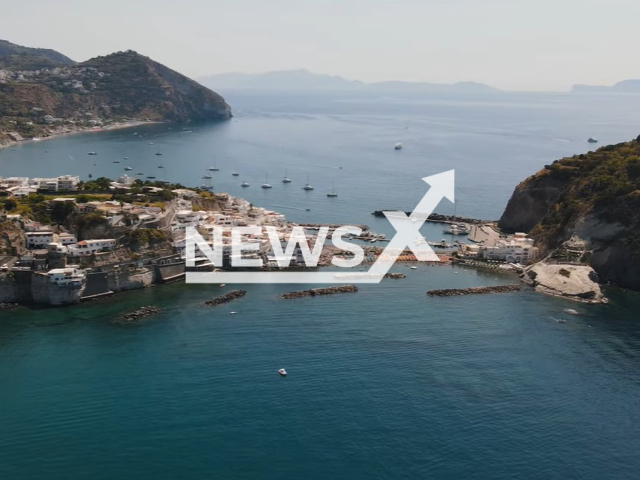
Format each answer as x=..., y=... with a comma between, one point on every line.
x=586, y=208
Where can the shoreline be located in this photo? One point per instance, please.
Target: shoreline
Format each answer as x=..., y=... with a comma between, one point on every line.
x=52, y=136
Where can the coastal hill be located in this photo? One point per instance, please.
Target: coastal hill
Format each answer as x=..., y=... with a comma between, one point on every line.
x=17, y=57
x=118, y=88
x=306, y=81
x=585, y=207
x=625, y=86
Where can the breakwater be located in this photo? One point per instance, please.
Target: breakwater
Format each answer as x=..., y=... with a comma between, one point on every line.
x=395, y=275
x=453, y=292
x=321, y=291
x=138, y=314
x=227, y=297
x=438, y=218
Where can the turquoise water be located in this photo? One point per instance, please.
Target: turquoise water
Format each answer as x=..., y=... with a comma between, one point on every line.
x=385, y=383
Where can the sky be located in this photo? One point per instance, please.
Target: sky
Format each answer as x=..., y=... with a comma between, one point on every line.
x=510, y=44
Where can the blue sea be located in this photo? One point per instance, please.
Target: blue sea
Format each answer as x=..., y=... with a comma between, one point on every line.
x=386, y=383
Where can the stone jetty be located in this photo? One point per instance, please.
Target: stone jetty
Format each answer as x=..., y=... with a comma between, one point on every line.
x=453, y=292
x=321, y=291
x=227, y=297
x=138, y=314
x=395, y=275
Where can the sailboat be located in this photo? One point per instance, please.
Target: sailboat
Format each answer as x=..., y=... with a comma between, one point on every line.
x=308, y=186
x=214, y=168
x=286, y=179
x=235, y=172
x=266, y=182
x=332, y=193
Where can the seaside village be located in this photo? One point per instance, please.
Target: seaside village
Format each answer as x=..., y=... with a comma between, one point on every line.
x=61, y=243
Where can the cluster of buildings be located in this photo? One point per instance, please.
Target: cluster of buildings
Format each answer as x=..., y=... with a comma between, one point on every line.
x=232, y=212
x=517, y=248
x=23, y=186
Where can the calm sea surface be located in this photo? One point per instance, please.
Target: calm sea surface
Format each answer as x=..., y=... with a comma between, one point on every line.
x=385, y=383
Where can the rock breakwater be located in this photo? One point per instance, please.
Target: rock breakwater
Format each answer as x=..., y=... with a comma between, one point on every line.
x=454, y=292
x=321, y=291
x=138, y=314
x=227, y=297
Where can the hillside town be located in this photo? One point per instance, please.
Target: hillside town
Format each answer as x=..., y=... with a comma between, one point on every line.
x=63, y=241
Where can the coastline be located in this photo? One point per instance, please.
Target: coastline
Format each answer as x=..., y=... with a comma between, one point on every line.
x=77, y=130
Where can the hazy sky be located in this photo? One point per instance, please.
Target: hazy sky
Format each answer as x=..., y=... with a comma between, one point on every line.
x=511, y=44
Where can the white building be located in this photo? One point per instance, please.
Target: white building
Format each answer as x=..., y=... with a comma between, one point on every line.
x=515, y=249
x=89, y=247
x=39, y=239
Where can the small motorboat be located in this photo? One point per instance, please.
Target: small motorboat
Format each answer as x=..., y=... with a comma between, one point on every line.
x=397, y=146
x=125, y=158
x=592, y=140
x=91, y=153
x=244, y=184
x=223, y=285
x=139, y=173
x=127, y=169
x=282, y=372
x=233, y=313
x=150, y=143
x=414, y=268
x=160, y=166
x=235, y=174
x=151, y=177
x=206, y=177
x=116, y=161
x=158, y=153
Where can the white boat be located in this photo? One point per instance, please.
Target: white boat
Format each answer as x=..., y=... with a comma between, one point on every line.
x=414, y=268
x=398, y=146
x=286, y=179
x=244, y=184
x=332, y=193
x=233, y=313
x=150, y=143
x=457, y=229
x=91, y=153
x=266, y=183
x=160, y=166
x=282, y=372
x=206, y=177
x=128, y=168
x=308, y=186
x=214, y=168
x=235, y=174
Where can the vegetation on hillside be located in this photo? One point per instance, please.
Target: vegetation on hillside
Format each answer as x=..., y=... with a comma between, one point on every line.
x=605, y=182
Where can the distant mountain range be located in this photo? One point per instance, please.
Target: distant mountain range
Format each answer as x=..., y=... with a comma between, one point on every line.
x=304, y=80
x=625, y=86
x=43, y=92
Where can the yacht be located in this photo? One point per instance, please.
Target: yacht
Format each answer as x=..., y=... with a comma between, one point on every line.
x=266, y=183
x=235, y=174
x=398, y=146
x=282, y=372
x=286, y=179
x=128, y=169
x=160, y=166
x=214, y=168
x=308, y=186
x=332, y=193
x=244, y=184
x=592, y=140
x=206, y=177
x=91, y=153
